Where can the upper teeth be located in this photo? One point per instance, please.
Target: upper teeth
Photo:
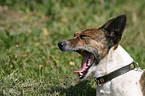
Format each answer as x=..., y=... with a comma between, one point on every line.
x=89, y=64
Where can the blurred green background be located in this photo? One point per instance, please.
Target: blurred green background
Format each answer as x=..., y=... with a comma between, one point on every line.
x=30, y=61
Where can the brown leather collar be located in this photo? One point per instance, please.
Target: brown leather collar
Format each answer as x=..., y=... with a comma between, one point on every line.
x=116, y=73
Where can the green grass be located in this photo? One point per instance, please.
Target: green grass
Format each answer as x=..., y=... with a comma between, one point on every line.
x=30, y=61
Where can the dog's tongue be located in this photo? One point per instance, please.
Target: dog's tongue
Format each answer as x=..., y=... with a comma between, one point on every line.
x=84, y=63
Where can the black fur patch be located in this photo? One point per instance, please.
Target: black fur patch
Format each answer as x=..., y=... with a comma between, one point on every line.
x=114, y=28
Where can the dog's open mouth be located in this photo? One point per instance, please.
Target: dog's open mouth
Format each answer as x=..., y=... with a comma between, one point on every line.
x=88, y=59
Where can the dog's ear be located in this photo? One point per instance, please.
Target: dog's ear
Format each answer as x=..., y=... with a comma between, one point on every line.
x=114, y=28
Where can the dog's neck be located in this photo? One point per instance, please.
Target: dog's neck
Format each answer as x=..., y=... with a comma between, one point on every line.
x=124, y=85
x=115, y=59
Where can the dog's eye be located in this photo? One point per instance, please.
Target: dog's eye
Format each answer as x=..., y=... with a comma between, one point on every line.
x=76, y=34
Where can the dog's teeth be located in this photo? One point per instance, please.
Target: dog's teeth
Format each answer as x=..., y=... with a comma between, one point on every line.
x=89, y=62
x=81, y=74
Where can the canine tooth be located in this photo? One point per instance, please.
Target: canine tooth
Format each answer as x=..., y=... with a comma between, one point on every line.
x=88, y=64
x=81, y=74
x=89, y=61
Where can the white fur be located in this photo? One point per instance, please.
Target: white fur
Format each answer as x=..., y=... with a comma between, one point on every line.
x=124, y=85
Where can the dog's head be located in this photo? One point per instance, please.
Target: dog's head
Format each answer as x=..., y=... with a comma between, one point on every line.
x=94, y=44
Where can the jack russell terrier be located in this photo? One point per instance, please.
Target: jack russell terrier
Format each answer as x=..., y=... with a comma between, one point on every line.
x=117, y=74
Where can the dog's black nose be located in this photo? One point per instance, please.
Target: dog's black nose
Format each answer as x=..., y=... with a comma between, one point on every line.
x=61, y=45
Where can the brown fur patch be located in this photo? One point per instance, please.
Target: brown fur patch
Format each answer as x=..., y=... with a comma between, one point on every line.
x=91, y=39
x=97, y=41
x=142, y=83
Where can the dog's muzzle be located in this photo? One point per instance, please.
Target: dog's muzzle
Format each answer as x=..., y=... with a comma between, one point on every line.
x=87, y=60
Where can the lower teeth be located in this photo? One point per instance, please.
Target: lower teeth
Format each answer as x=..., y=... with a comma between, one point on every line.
x=89, y=61
x=81, y=74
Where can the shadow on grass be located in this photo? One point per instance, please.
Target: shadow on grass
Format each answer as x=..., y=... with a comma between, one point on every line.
x=80, y=89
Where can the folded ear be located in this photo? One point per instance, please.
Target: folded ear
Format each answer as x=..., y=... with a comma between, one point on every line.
x=114, y=28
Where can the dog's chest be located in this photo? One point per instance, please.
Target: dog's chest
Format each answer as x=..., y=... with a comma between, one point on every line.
x=124, y=85
x=103, y=90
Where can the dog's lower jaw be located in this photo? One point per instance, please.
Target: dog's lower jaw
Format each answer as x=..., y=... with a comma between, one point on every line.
x=124, y=85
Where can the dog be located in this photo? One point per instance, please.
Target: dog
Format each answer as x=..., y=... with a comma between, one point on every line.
x=116, y=72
